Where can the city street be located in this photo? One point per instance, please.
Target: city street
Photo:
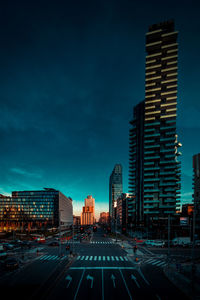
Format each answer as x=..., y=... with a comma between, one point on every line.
x=102, y=269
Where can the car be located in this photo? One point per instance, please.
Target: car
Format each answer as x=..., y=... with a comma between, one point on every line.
x=26, y=244
x=149, y=242
x=8, y=246
x=54, y=244
x=11, y=263
x=158, y=244
x=41, y=240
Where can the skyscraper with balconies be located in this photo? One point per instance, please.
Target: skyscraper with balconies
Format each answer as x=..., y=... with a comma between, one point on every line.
x=159, y=172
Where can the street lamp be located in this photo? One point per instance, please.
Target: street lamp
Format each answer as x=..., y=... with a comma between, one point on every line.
x=115, y=206
x=59, y=214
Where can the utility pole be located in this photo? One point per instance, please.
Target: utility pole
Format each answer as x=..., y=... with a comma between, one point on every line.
x=73, y=237
x=59, y=214
x=168, y=254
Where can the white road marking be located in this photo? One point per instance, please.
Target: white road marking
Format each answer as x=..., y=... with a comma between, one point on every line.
x=79, y=285
x=126, y=285
x=43, y=257
x=125, y=258
x=91, y=257
x=99, y=257
x=108, y=258
x=104, y=268
x=78, y=257
x=104, y=258
x=121, y=258
x=82, y=258
x=95, y=258
x=155, y=262
x=116, y=257
x=102, y=285
x=112, y=258
x=86, y=257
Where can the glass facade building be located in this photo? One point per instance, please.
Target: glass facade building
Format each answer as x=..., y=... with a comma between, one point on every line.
x=35, y=209
x=115, y=189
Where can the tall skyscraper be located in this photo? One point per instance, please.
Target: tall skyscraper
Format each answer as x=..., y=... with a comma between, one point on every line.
x=88, y=212
x=136, y=165
x=115, y=189
x=160, y=179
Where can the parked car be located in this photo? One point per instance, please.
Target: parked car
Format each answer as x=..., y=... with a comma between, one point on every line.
x=8, y=246
x=11, y=263
x=197, y=243
x=149, y=242
x=158, y=244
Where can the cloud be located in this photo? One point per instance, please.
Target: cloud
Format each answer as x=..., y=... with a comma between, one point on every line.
x=25, y=173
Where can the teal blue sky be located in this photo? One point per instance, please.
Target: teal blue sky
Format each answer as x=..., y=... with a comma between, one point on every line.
x=71, y=72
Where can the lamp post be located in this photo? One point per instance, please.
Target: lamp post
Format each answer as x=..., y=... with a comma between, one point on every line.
x=168, y=254
x=59, y=214
x=115, y=206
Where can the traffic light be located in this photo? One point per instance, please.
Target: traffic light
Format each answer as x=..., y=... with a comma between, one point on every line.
x=123, y=230
x=108, y=229
x=94, y=228
x=82, y=229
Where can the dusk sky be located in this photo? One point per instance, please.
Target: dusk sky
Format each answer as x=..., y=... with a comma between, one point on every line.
x=70, y=74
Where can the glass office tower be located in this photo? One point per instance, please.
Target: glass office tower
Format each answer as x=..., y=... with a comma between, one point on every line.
x=136, y=165
x=115, y=189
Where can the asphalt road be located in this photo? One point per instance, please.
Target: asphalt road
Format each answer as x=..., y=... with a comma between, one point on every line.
x=102, y=270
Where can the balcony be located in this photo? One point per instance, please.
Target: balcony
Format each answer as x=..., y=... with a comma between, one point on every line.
x=152, y=157
x=151, y=169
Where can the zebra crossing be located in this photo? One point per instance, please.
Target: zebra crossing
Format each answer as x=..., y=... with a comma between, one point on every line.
x=102, y=258
x=156, y=262
x=99, y=242
x=51, y=257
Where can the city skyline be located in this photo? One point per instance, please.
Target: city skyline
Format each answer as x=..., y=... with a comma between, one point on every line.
x=68, y=82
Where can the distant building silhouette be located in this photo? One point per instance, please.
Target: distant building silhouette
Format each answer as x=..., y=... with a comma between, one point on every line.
x=115, y=189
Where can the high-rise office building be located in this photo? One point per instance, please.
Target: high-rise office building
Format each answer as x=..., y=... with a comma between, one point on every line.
x=35, y=209
x=88, y=212
x=160, y=179
x=115, y=189
x=136, y=165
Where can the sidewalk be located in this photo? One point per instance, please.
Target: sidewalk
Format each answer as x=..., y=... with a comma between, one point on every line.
x=181, y=277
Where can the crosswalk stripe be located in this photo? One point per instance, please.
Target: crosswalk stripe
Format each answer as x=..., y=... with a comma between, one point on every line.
x=161, y=263
x=108, y=257
x=46, y=258
x=91, y=257
x=56, y=257
x=41, y=258
x=125, y=258
x=95, y=258
x=104, y=258
x=155, y=262
x=116, y=257
x=149, y=260
x=82, y=257
x=121, y=258
x=99, y=257
x=112, y=258
x=86, y=257
x=78, y=257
